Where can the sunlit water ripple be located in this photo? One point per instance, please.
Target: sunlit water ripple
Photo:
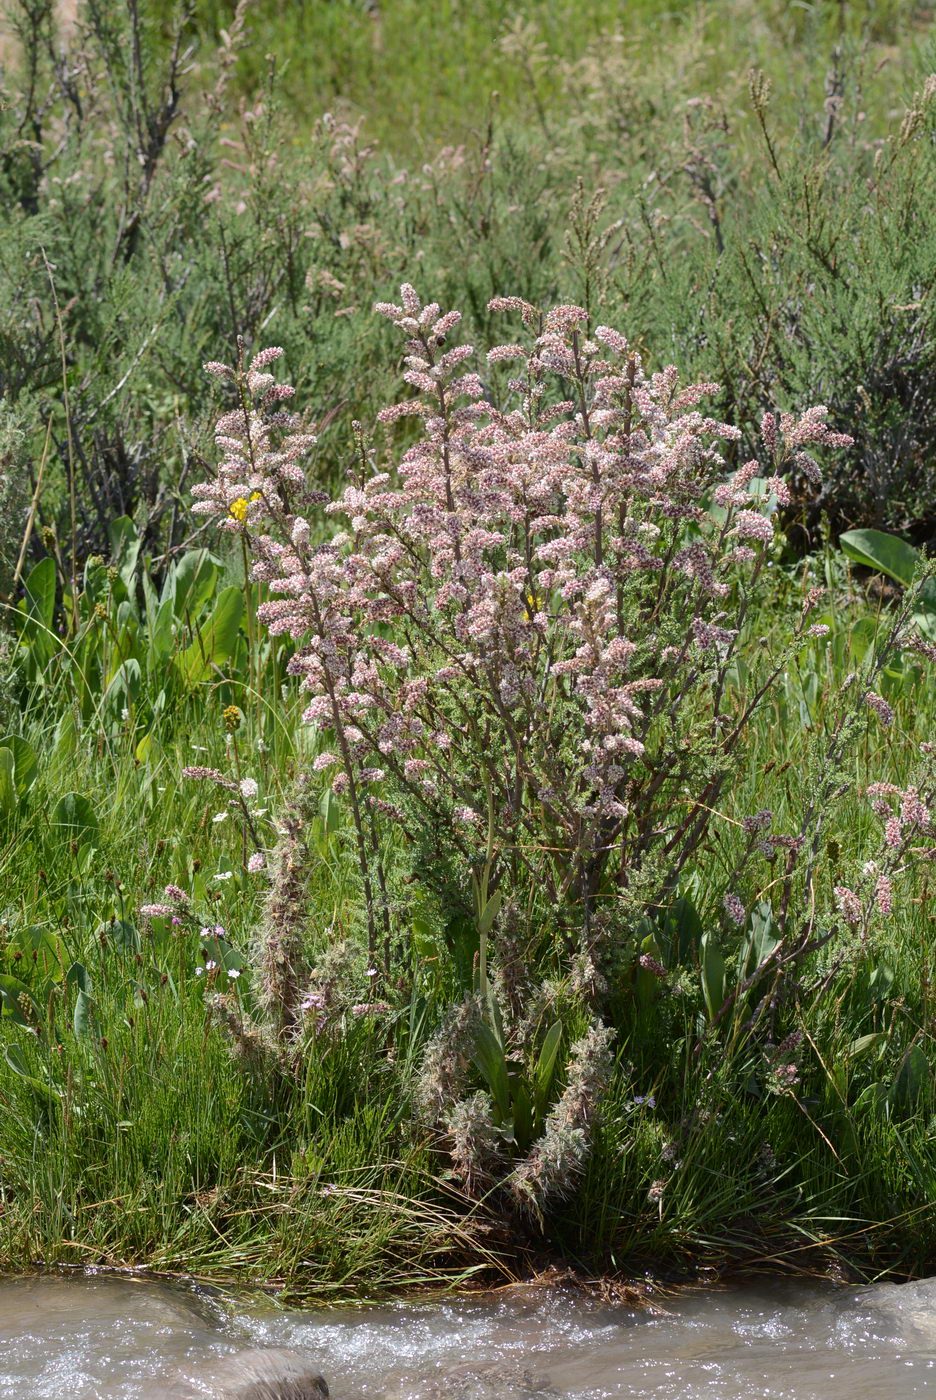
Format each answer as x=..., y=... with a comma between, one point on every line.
x=107, y=1336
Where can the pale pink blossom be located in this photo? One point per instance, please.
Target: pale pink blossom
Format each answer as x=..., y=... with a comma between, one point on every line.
x=880, y=707
x=849, y=904
x=735, y=910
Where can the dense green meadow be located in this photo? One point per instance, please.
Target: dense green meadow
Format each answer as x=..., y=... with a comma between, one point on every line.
x=615, y=963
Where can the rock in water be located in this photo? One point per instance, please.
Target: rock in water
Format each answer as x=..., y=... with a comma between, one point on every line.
x=909, y=1309
x=264, y=1374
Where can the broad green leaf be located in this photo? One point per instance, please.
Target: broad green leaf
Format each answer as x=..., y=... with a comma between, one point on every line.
x=496, y=1021
x=85, y=657
x=886, y=553
x=189, y=583
x=18, y=1001
x=890, y=555
x=545, y=1069
x=861, y=637
x=215, y=639
x=26, y=762
x=866, y=1044
x=17, y=1062
x=43, y=949
x=73, y=819
x=881, y=981
x=763, y=938
x=713, y=975
x=8, y=798
x=150, y=597
x=38, y=604
x=66, y=735
x=148, y=750
x=874, y=1096
x=77, y=976
x=911, y=1079
x=330, y=809
x=489, y=1058
x=120, y=933
x=81, y=1019
x=40, y=592
x=126, y=618
x=125, y=543
x=161, y=638
x=682, y=928
x=489, y=913
x=125, y=685
x=760, y=942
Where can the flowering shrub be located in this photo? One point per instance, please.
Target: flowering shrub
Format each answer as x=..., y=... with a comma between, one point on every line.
x=523, y=643
x=908, y=835
x=527, y=650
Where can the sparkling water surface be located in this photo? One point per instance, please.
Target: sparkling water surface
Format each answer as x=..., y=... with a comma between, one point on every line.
x=118, y=1336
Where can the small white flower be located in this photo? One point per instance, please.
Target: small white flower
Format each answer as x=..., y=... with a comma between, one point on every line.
x=249, y=789
x=211, y=965
x=199, y=972
x=256, y=862
x=233, y=973
x=223, y=875
x=219, y=817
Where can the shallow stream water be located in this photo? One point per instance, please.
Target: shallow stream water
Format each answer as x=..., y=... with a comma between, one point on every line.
x=114, y=1336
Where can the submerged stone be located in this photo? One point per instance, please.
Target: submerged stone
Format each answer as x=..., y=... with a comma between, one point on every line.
x=264, y=1373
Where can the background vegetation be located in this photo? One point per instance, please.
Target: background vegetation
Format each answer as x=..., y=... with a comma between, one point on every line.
x=167, y=187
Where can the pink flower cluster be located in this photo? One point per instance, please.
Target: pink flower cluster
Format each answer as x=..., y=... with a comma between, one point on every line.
x=905, y=814
x=255, y=474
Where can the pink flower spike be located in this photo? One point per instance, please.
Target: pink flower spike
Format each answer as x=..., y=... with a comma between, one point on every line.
x=849, y=904
x=880, y=707
x=265, y=357
x=735, y=910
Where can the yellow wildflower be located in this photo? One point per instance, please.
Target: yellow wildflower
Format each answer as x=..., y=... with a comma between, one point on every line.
x=238, y=508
